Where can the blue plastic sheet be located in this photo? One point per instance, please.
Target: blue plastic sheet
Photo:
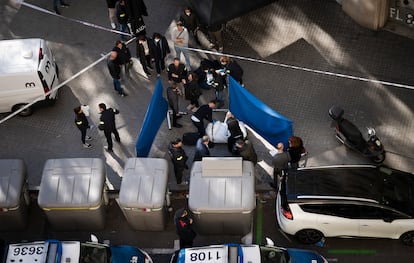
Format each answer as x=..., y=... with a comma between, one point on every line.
x=261, y=118
x=156, y=113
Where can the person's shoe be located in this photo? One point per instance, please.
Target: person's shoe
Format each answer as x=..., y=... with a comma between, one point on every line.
x=108, y=150
x=123, y=94
x=87, y=145
x=64, y=5
x=158, y=75
x=177, y=125
x=57, y=12
x=88, y=138
x=113, y=25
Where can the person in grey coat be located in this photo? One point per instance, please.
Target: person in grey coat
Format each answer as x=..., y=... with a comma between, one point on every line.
x=173, y=92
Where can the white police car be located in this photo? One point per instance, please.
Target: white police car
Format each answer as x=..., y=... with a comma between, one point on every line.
x=54, y=251
x=238, y=253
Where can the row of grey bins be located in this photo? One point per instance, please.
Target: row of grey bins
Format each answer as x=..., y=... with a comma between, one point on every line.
x=72, y=194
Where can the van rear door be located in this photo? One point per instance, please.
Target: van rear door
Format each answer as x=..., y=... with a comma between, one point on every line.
x=47, y=69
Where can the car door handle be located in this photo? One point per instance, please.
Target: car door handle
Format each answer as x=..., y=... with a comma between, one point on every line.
x=325, y=223
x=364, y=225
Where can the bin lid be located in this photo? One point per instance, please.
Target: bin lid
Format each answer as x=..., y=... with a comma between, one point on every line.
x=12, y=178
x=144, y=183
x=224, y=194
x=72, y=183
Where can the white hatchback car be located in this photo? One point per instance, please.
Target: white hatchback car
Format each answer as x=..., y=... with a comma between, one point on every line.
x=350, y=200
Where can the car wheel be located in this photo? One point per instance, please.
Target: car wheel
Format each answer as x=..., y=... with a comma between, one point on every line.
x=309, y=236
x=24, y=113
x=408, y=238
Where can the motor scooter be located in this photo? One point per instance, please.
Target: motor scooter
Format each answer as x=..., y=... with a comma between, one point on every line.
x=369, y=145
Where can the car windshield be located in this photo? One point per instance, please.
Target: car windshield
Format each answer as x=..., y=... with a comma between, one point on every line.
x=398, y=190
x=273, y=255
x=93, y=253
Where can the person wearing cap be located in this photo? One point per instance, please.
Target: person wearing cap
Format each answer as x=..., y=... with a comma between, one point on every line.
x=178, y=158
x=180, y=38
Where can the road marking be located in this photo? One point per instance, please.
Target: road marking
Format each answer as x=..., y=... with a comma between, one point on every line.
x=352, y=251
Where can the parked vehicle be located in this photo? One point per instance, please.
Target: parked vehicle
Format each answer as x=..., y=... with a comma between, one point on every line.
x=347, y=200
x=54, y=251
x=28, y=73
x=238, y=253
x=369, y=145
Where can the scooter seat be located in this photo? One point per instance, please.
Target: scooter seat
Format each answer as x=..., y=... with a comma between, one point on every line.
x=351, y=132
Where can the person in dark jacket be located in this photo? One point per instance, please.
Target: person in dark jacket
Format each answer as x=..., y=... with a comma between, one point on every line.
x=161, y=50
x=178, y=158
x=245, y=150
x=135, y=9
x=123, y=55
x=234, y=129
x=295, y=150
x=190, y=20
x=177, y=72
x=202, y=149
x=204, y=112
x=192, y=91
x=232, y=68
x=122, y=18
x=107, y=124
x=173, y=92
x=115, y=71
x=184, y=228
x=218, y=85
x=82, y=123
x=145, y=52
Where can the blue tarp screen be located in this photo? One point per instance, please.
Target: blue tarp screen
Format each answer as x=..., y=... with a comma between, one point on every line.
x=157, y=110
x=261, y=118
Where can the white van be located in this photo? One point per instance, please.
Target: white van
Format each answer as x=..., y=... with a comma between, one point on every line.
x=28, y=71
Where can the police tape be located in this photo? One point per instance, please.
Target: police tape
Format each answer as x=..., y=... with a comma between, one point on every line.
x=317, y=71
x=75, y=20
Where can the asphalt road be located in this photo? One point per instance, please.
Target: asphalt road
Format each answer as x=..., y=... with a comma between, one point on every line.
x=323, y=39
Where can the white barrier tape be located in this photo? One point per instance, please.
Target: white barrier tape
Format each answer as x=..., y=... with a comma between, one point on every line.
x=322, y=72
x=75, y=20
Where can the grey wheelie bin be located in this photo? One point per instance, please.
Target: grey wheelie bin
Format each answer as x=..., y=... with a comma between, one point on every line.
x=72, y=193
x=222, y=195
x=14, y=198
x=143, y=193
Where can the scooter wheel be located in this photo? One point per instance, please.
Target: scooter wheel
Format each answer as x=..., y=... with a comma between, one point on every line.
x=379, y=158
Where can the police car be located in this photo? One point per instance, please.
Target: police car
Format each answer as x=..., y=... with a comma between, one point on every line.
x=237, y=253
x=54, y=251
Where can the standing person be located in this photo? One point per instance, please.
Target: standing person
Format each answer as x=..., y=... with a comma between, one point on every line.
x=204, y=112
x=245, y=150
x=280, y=163
x=218, y=85
x=107, y=124
x=192, y=91
x=135, y=10
x=123, y=56
x=177, y=72
x=161, y=50
x=232, y=68
x=172, y=96
x=234, y=129
x=295, y=150
x=180, y=38
x=202, y=149
x=56, y=4
x=82, y=123
x=216, y=34
x=111, y=12
x=184, y=228
x=145, y=52
x=122, y=18
x=178, y=158
x=190, y=21
x=115, y=71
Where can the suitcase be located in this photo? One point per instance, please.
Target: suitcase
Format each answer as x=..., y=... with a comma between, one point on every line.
x=190, y=138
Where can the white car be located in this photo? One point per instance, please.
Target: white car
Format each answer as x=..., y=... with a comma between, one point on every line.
x=351, y=200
